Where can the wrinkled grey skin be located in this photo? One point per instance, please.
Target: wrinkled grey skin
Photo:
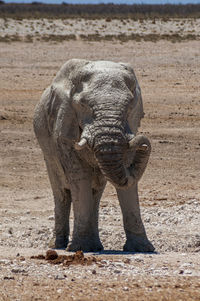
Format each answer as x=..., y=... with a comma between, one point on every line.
x=86, y=123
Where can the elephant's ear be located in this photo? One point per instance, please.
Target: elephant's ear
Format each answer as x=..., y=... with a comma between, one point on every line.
x=61, y=117
x=136, y=113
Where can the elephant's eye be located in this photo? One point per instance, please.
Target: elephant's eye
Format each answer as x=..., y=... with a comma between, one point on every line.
x=83, y=102
x=78, y=100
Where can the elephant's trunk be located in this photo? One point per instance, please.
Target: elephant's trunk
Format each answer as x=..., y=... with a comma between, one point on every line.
x=110, y=157
x=142, y=147
x=110, y=161
x=109, y=145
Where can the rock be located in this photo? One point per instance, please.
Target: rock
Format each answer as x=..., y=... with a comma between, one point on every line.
x=117, y=271
x=4, y=261
x=18, y=270
x=9, y=278
x=22, y=258
x=188, y=272
x=137, y=259
x=59, y=277
x=10, y=230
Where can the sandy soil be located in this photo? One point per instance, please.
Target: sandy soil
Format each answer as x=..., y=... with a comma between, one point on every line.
x=169, y=191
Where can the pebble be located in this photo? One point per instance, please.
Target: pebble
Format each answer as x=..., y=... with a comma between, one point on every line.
x=186, y=265
x=137, y=259
x=9, y=278
x=188, y=272
x=117, y=271
x=4, y=261
x=17, y=271
x=59, y=277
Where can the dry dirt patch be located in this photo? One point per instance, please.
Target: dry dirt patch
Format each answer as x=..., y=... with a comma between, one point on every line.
x=169, y=191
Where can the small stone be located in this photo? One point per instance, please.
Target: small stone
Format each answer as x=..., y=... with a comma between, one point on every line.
x=51, y=218
x=185, y=265
x=117, y=271
x=59, y=277
x=9, y=278
x=10, y=231
x=94, y=272
x=17, y=271
x=125, y=288
x=188, y=272
x=22, y=258
x=139, y=259
x=4, y=261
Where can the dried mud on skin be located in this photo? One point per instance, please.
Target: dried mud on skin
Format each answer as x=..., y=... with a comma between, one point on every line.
x=66, y=260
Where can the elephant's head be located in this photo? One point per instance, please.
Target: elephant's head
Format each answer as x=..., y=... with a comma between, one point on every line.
x=107, y=102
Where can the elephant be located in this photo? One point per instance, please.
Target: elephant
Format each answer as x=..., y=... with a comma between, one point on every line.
x=86, y=125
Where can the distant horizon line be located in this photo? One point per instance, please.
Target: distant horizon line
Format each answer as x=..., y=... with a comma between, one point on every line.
x=117, y=2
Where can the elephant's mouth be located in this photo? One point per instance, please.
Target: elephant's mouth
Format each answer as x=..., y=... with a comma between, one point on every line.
x=109, y=156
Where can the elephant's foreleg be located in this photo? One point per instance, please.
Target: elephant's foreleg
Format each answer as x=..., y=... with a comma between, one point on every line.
x=97, y=194
x=85, y=206
x=62, y=200
x=62, y=212
x=136, y=239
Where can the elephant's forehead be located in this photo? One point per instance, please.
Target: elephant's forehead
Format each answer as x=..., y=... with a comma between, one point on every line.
x=112, y=73
x=104, y=64
x=110, y=78
x=104, y=68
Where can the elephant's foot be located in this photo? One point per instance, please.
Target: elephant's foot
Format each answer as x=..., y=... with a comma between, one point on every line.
x=58, y=243
x=85, y=244
x=138, y=244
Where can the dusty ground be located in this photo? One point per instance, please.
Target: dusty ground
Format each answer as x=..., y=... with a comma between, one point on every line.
x=169, y=191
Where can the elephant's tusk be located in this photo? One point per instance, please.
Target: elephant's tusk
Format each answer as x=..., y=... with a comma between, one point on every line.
x=140, y=142
x=81, y=144
x=143, y=147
